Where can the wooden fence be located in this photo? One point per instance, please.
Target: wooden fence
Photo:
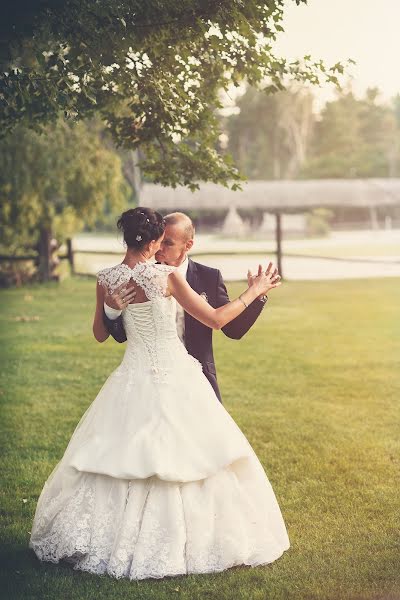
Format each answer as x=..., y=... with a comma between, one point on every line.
x=70, y=256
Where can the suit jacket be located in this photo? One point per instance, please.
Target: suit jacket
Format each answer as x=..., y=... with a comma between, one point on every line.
x=198, y=337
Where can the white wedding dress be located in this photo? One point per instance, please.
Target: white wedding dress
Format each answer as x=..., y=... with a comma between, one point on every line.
x=157, y=479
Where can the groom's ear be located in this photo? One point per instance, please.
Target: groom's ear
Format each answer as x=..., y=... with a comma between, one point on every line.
x=189, y=244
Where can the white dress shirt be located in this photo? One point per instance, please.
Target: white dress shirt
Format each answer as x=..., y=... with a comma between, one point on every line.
x=114, y=313
x=180, y=313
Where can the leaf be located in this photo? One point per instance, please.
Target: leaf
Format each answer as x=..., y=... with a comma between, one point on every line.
x=180, y=64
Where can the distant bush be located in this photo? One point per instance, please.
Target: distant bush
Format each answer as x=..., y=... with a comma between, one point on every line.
x=318, y=221
x=17, y=273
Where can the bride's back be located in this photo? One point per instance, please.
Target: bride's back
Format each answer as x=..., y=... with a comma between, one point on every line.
x=150, y=279
x=150, y=320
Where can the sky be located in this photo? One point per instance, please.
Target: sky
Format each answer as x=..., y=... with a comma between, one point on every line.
x=365, y=30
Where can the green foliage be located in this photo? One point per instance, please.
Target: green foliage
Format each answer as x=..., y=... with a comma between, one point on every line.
x=151, y=69
x=281, y=137
x=355, y=138
x=269, y=137
x=315, y=388
x=57, y=181
x=318, y=222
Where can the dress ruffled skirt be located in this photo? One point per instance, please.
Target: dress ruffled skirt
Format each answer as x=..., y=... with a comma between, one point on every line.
x=157, y=481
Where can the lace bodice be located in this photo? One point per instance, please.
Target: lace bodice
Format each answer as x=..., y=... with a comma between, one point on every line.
x=151, y=277
x=150, y=327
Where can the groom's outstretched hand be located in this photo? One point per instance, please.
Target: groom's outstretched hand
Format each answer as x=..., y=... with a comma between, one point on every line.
x=273, y=272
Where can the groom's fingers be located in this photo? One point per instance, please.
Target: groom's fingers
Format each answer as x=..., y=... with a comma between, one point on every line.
x=127, y=290
x=268, y=268
x=260, y=270
x=129, y=297
x=121, y=287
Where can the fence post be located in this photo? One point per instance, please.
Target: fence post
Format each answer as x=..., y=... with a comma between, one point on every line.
x=70, y=255
x=279, y=243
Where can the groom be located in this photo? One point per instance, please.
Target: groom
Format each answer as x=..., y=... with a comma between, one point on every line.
x=208, y=282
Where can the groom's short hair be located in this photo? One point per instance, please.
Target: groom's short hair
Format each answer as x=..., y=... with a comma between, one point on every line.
x=179, y=218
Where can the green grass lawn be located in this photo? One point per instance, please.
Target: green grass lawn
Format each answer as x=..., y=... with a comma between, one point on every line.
x=315, y=387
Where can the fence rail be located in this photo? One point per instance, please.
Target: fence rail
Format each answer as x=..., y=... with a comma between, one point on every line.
x=70, y=254
x=201, y=253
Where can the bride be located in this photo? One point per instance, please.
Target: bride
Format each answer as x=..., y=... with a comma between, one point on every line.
x=157, y=479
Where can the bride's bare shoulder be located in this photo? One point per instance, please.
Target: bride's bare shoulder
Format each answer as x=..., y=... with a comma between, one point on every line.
x=176, y=280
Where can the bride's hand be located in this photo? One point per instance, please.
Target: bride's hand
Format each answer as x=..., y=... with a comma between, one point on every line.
x=264, y=281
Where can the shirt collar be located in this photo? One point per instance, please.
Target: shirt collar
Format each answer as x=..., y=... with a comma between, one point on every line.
x=184, y=267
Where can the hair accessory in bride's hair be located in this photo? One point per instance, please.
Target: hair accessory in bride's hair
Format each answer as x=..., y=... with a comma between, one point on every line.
x=140, y=225
x=144, y=215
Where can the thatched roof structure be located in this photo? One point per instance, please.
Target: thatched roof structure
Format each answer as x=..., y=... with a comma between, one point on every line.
x=279, y=195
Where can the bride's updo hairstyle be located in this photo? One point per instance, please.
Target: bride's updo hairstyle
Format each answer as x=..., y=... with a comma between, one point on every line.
x=140, y=226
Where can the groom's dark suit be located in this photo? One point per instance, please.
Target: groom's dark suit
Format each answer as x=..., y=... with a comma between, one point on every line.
x=198, y=337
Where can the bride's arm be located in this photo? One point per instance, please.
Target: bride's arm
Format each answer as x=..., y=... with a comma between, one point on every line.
x=100, y=331
x=216, y=318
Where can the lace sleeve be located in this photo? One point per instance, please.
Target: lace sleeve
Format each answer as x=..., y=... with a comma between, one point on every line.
x=152, y=278
x=113, y=277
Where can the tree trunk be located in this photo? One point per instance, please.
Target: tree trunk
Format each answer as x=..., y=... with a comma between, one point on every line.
x=132, y=172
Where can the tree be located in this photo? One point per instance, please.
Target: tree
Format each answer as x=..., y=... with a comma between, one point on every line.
x=55, y=183
x=269, y=137
x=354, y=138
x=152, y=70
x=394, y=156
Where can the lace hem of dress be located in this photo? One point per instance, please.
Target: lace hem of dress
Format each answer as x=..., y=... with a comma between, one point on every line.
x=152, y=529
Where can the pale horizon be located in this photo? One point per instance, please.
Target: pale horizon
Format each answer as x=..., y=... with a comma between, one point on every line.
x=363, y=30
